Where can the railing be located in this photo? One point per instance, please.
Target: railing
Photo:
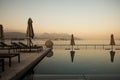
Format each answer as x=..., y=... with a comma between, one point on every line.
x=87, y=46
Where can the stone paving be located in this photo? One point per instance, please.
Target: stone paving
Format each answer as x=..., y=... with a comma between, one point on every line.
x=26, y=59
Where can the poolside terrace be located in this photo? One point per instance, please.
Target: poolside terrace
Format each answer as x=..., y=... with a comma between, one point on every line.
x=27, y=62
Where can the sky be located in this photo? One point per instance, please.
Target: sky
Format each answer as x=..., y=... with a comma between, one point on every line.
x=87, y=19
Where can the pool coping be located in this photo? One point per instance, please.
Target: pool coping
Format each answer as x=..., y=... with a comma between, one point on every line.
x=78, y=77
x=21, y=74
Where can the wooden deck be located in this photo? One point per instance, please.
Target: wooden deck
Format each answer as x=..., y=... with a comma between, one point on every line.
x=28, y=60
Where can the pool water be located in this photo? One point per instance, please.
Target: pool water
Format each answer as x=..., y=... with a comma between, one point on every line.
x=82, y=64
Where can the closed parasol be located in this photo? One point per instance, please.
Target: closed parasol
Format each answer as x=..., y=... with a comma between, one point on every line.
x=30, y=32
x=1, y=33
x=72, y=41
x=112, y=41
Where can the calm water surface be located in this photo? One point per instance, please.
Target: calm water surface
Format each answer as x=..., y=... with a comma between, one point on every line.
x=85, y=62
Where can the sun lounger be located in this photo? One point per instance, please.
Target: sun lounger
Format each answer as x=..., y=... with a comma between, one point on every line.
x=24, y=47
x=4, y=45
x=67, y=48
x=117, y=49
x=77, y=48
x=10, y=56
x=20, y=47
x=107, y=48
x=17, y=46
x=39, y=48
x=2, y=64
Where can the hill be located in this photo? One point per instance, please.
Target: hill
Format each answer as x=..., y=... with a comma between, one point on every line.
x=53, y=36
x=14, y=35
x=56, y=36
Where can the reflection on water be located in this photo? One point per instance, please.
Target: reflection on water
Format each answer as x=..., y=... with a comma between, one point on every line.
x=72, y=53
x=84, y=61
x=79, y=62
x=50, y=54
x=112, y=54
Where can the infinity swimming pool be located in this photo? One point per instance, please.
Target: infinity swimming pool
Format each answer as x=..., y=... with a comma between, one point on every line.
x=83, y=64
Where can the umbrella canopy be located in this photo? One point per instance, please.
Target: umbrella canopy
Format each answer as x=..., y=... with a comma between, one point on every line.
x=1, y=33
x=30, y=32
x=112, y=41
x=72, y=41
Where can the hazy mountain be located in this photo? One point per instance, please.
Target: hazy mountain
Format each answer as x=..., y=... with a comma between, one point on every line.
x=14, y=35
x=55, y=36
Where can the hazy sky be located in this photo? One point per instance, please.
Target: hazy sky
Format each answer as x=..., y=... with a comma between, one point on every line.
x=95, y=19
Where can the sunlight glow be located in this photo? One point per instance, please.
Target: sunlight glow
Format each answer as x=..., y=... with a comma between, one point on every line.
x=88, y=19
